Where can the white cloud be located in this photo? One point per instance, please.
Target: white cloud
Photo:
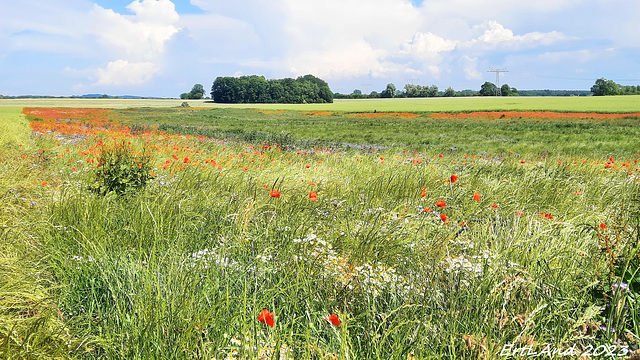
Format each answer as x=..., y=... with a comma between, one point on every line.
x=470, y=68
x=346, y=38
x=122, y=72
x=350, y=60
x=138, y=40
x=496, y=35
x=139, y=37
x=426, y=46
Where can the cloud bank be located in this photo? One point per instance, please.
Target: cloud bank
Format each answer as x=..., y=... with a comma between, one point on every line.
x=151, y=46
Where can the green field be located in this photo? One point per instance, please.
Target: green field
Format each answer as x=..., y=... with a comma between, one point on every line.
x=577, y=104
x=154, y=232
x=574, y=137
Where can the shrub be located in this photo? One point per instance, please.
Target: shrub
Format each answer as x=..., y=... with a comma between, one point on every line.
x=120, y=169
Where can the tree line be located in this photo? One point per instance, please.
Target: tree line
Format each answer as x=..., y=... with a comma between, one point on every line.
x=604, y=87
x=415, y=91
x=256, y=89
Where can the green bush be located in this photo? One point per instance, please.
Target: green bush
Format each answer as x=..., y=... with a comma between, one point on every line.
x=121, y=169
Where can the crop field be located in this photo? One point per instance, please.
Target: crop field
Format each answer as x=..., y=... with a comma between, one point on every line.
x=354, y=230
x=602, y=104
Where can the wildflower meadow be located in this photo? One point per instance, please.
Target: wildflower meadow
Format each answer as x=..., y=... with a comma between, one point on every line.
x=239, y=233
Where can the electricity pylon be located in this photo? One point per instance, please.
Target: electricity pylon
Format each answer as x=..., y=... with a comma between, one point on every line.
x=498, y=71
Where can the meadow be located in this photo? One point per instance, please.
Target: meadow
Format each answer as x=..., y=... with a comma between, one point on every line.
x=292, y=232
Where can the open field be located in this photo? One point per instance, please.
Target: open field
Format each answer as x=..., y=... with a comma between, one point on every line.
x=578, y=104
x=234, y=233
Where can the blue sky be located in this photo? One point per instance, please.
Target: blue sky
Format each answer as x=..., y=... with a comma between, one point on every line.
x=163, y=47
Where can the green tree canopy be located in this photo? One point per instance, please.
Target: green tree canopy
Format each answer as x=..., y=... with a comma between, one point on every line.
x=449, y=92
x=488, y=89
x=506, y=90
x=197, y=92
x=257, y=89
x=389, y=92
x=604, y=87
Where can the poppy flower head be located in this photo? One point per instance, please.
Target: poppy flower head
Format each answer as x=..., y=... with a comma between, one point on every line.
x=444, y=218
x=266, y=317
x=333, y=318
x=441, y=203
x=454, y=178
x=494, y=205
x=313, y=196
x=476, y=197
x=275, y=193
x=603, y=226
x=427, y=210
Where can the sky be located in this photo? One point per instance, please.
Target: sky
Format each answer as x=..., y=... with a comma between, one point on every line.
x=163, y=47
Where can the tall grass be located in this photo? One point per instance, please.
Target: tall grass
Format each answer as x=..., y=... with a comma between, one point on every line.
x=30, y=326
x=182, y=267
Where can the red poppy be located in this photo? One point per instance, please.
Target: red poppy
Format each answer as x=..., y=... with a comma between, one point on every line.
x=275, y=193
x=476, y=196
x=266, y=317
x=423, y=194
x=547, y=216
x=441, y=203
x=494, y=205
x=444, y=218
x=519, y=213
x=427, y=210
x=578, y=192
x=454, y=178
x=333, y=318
x=603, y=226
x=313, y=196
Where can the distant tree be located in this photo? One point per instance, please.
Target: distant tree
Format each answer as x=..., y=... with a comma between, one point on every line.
x=431, y=91
x=604, y=87
x=374, y=94
x=197, y=92
x=506, y=90
x=449, y=92
x=411, y=90
x=389, y=92
x=488, y=89
x=357, y=92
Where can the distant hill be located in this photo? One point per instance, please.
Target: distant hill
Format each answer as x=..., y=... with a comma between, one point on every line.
x=86, y=96
x=105, y=96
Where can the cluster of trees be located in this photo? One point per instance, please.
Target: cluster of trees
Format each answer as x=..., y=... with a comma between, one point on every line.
x=490, y=89
x=547, y=92
x=604, y=87
x=257, y=89
x=414, y=91
x=421, y=91
x=197, y=92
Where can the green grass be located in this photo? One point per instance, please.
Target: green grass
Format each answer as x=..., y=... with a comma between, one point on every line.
x=182, y=268
x=576, y=104
x=472, y=136
x=30, y=327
